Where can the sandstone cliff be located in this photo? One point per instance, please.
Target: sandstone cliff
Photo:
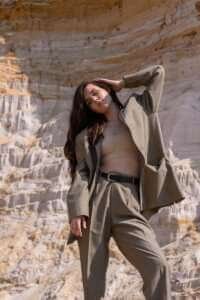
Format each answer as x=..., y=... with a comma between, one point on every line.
x=47, y=47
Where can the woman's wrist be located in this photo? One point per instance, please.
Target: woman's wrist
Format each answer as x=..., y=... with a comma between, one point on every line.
x=122, y=83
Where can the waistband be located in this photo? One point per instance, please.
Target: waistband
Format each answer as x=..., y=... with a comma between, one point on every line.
x=117, y=177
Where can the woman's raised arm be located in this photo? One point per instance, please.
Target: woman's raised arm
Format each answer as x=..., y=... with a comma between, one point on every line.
x=152, y=78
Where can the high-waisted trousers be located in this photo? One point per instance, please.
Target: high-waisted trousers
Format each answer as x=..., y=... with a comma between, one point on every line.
x=115, y=212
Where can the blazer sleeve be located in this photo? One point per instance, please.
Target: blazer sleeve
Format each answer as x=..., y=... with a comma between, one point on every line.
x=153, y=79
x=78, y=194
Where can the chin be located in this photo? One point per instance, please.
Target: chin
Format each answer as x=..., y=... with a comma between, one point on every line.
x=102, y=109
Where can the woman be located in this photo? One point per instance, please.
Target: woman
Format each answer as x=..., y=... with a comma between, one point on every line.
x=120, y=173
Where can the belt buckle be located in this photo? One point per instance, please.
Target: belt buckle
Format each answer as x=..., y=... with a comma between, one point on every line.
x=110, y=174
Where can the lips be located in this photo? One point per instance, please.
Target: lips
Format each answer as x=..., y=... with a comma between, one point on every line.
x=101, y=101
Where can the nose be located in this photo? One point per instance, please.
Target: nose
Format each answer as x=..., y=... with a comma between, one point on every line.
x=96, y=98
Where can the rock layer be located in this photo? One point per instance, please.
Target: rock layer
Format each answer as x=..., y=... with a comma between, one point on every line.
x=47, y=48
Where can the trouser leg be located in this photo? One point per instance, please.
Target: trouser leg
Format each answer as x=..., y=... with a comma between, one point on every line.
x=83, y=250
x=93, y=247
x=137, y=242
x=94, y=268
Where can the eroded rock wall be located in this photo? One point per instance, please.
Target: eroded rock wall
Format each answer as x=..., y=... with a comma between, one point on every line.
x=47, y=48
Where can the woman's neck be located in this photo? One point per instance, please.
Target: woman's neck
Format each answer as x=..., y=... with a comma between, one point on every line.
x=112, y=112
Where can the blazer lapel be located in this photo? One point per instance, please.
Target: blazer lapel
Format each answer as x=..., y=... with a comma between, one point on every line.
x=98, y=146
x=88, y=155
x=93, y=155
x=132, y=116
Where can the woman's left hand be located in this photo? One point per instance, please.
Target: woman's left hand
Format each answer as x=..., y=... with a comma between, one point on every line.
x=117, y=85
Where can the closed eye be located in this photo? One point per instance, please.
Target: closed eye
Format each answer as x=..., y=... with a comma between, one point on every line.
x=94, y=93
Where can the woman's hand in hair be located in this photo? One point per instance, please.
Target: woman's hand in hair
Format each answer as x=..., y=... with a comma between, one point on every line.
x=77, y=225
x=117, y=85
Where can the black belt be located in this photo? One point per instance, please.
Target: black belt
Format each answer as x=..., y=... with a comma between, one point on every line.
x=112, y=176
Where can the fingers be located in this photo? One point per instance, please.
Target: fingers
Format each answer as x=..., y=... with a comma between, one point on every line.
x=84, y=224
x=75, y=227
x=110, y=81
x=116, y=84
x=77, y=224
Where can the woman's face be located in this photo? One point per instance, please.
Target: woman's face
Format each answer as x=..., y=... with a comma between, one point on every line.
x=97, y=98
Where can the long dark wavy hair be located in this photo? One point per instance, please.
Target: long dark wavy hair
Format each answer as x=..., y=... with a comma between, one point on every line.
x=82, y=117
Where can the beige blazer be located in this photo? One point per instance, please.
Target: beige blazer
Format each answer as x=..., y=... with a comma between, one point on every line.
x=158, y=182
